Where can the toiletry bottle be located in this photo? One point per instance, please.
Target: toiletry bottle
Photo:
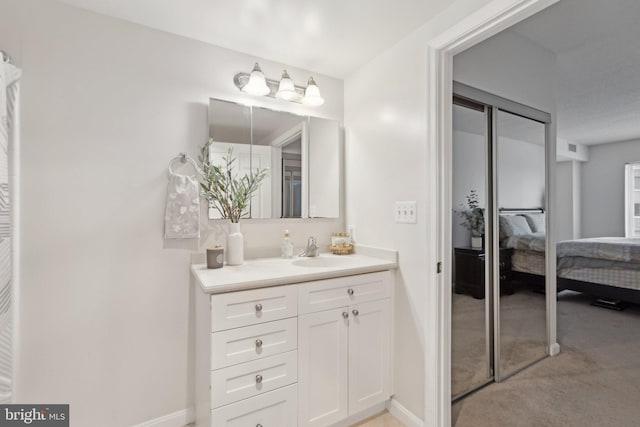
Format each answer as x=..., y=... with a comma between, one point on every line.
x=287, y=245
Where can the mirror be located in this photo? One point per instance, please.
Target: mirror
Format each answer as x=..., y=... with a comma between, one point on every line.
x=471, y=311
x=521, y=189
x=302, y=155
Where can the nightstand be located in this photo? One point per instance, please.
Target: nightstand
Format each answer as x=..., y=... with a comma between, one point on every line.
x=469, y=268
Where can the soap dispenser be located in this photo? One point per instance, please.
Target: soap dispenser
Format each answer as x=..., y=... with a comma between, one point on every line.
x=287, y=245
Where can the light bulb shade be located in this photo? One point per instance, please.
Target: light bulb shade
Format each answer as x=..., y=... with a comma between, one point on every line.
x=286, y=88
x=312, y=94
x=257, y=84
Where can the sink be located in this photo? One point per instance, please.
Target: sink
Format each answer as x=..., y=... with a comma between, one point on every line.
x=321, y=261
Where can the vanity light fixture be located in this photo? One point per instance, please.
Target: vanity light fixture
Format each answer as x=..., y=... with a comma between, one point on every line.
x=257, y=84
x=285, y=89
x=312, y=94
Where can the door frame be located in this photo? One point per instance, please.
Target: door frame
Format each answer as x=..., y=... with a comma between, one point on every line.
x=486, y=22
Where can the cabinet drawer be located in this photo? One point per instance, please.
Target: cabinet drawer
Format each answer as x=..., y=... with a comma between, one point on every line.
x=343, y=291
x=253, y=342
x=278, y=408
x=249, y=379
x=235, y=309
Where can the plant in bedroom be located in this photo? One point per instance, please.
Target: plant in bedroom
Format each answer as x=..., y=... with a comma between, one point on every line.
x=473, y=219
x=229, y=194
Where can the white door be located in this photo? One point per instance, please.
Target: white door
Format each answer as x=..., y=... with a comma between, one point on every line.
x=369, y=354
x=322, y=363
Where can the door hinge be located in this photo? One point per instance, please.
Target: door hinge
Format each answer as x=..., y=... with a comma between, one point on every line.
x=439, y=268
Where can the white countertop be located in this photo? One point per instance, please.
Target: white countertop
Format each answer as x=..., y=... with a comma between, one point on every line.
x=264, y=272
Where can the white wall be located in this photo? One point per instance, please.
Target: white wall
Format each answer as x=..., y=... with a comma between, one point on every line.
x=563, y=152
x=386, y=160
x=513, y=67
x=105, y=308
x=603, y=188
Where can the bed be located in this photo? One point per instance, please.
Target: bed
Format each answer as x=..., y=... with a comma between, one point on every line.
x=603, y=267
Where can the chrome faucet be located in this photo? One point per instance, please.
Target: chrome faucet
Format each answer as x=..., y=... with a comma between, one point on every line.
x=312, y=248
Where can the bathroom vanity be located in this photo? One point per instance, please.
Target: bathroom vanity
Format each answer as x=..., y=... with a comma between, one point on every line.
x=285, y=343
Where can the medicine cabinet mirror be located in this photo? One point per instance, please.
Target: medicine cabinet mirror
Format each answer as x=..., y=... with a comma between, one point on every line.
x=301, y=153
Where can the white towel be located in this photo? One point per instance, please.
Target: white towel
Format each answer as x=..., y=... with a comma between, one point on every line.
x=182, y=215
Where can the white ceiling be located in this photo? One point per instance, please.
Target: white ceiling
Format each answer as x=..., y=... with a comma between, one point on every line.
x=597, y=43
x=332, y=37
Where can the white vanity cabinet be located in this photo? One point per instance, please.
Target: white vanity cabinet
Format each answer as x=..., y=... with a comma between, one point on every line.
x=344, y=347
x=247, y=358
x=304, y=353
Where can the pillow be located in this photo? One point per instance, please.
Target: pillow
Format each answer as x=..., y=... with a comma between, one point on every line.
x=536, y=222
x=513, y=225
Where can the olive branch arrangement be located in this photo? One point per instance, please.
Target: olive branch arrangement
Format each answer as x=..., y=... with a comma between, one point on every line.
x=224, y=190
x=473, y=218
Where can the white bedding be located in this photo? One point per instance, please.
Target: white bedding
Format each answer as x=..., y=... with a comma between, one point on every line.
x=527, y=242
x=618, y=249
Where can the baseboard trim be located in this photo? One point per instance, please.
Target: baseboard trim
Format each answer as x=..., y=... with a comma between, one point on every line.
x=403, y=414
x=176, y=419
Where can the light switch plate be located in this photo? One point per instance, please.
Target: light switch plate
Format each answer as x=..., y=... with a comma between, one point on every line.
x=405, y=212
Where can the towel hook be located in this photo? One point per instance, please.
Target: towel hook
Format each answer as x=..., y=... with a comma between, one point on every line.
x=184, y=158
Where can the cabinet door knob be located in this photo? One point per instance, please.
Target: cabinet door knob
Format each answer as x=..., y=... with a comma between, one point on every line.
x=345, y=314
x=258, y=343
x=258, y=307
x=355, y=312
x=350, y=291
x=258, y=425
x=258, y=379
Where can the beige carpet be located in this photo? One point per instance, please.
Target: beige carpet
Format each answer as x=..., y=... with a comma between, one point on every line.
x=522, y=332
x=594, y=382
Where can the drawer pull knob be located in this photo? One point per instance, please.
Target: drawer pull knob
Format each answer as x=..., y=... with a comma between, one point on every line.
x=258, y=343
x=355, y=312
x=345, y=314
x=350, y=291
x=258, y=425
x=258, y=307
x=258, y=379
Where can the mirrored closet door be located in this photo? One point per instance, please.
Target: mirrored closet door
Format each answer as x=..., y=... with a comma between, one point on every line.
x=520, y=191
x=499, y=308
x=471, y=315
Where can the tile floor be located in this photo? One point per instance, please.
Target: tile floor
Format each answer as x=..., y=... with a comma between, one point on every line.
x=383, y=420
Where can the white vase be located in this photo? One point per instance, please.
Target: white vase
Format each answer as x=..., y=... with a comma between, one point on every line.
x=235, y=245
x=476, y=242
